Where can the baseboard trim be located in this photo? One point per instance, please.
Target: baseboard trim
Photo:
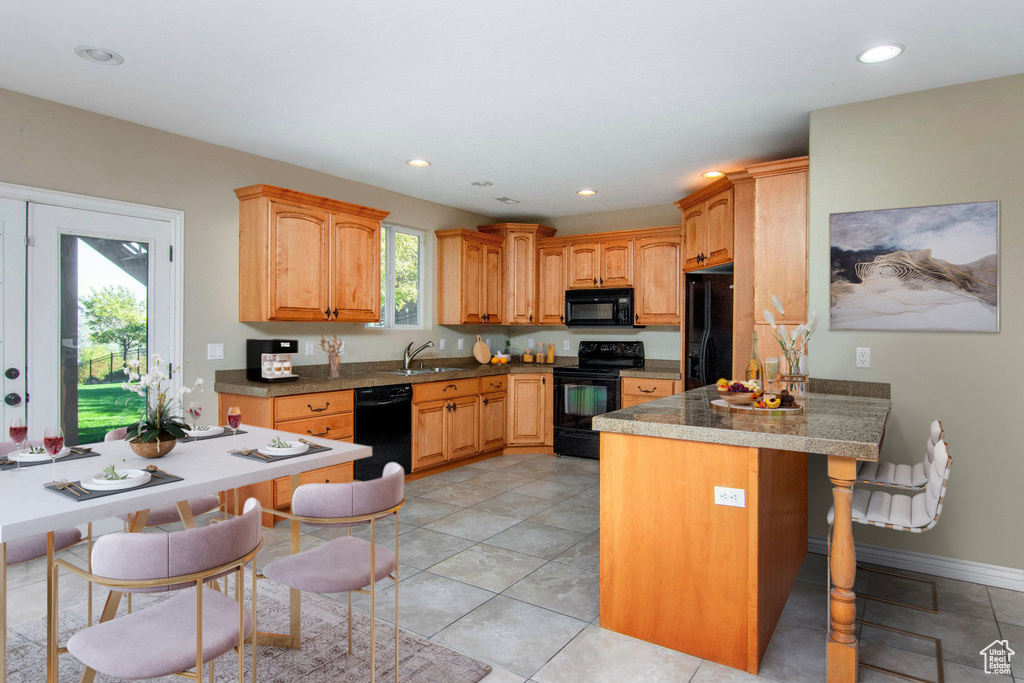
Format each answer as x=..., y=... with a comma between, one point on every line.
x=948, y=567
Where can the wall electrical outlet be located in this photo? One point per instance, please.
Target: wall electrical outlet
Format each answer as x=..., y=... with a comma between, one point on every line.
x=309, y=348
x=462, y=344
x=441, y=344
x=736, y=498
x=565, y=345
x=488, y=342
x=529, y=342
x=863, y=357
x=214, y=352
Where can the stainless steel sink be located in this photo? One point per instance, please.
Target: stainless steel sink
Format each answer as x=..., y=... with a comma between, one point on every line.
x=421, y=371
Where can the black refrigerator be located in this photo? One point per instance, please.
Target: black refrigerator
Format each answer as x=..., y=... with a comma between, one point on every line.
x=708, y=328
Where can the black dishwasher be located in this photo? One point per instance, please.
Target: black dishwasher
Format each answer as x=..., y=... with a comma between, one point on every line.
x=384, y=421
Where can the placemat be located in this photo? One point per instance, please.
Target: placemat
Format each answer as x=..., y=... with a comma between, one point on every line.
x=11, y=465
x=226, y=432
x=155, y=480
x=263, y=457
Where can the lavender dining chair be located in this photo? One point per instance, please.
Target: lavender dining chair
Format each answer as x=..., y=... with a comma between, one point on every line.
x=181, y=632
x=349, y=563
x=165, y=514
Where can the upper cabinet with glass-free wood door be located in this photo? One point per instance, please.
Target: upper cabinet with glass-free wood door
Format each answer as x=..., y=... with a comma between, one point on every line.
x=520, y=271
x=470, y=278
x=708, y=225
x=306, y=258
x=657, y=294
x=595, y=263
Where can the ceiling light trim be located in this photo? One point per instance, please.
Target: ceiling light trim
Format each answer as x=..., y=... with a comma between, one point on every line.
x=881, y=53
x=99, y=55
x=418, y=163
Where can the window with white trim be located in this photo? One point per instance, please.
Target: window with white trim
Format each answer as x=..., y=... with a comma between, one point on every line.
x=401, y=278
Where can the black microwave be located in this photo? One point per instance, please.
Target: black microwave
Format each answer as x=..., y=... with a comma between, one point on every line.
x=600, y=308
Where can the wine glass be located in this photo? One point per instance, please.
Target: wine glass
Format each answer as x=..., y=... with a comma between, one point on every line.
x=19, y=433
x=196, y=411
x=771, y=371
x=53, y=442
x=234, y=421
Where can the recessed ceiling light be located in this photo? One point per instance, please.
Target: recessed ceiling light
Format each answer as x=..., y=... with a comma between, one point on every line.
x=507, y=200
x=586, y=193
x=418, y=162
x=712, y=174
x=881, y=53
x=482, y=183
x=97, y=55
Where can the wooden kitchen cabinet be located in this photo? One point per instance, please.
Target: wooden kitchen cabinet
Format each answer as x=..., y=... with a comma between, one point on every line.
x=708, y=226
x=583, y=265
x=520, y=268
x=306, y=258
x=551, y=287
x=470, y=278
x=530, y=409
x=596, y=264
x=493, y=418
x=658, y=299
x=324, y=415
x=636, y=391
x=616, y=263
x=446, y=422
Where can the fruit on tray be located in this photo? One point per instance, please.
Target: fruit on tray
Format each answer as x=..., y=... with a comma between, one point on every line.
x=722, y=383
x=745, y=387
x=773, y=402
x=760, y=404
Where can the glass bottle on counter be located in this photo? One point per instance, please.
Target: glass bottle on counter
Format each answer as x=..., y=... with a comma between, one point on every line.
x=755, y=369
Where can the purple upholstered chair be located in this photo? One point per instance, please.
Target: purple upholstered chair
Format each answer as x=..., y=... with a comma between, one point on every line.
x=164, y=639
x=165, y=514
x=349, y=563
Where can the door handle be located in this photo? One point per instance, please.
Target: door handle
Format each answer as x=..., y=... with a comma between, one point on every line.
x=318, y=410
x=595, y=280
x=327, y=314
x=450, y=386
x=543, y=381
x=323, y=433
x=645, y=391
x=561, y=318
x=12, y=399
x=602, y=282
x=531, y=317
x=637, y=317
x=12, y=373
x=485, y=401
x=335, y=312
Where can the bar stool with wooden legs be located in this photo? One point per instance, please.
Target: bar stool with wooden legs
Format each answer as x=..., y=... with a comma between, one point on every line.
x=903, y=513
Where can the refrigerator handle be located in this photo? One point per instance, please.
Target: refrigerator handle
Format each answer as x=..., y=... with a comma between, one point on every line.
x=702, y=369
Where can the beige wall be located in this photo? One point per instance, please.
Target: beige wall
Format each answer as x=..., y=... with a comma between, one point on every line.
x=958, y=144
x=659, y=341
x=51, y=146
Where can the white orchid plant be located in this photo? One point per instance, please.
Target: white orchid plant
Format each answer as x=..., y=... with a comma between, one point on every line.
x=161, y=412
x=794, y=342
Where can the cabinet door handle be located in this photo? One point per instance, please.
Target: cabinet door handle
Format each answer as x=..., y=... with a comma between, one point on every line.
x=645, y=391
x=485, y=401
x=531, y=317
x=335, y=311
x=454, y=407
x=319, y=410
x=323, y=433
x=450, y=386
x=602, y=282
x=561, y=318
x=327, y=314
x=543, y=380
x=595, y=280
x=636, y=317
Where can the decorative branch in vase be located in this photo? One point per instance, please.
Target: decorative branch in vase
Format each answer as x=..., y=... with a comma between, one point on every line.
x=794, y=344
x=161, y=418
x=334, y=348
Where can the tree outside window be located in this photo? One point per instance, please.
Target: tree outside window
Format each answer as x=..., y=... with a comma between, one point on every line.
x=401, y=287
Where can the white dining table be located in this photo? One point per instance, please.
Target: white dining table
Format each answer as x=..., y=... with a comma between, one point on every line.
x=206, y=467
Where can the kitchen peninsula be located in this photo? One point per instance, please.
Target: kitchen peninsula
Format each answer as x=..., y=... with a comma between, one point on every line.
x=711, y=579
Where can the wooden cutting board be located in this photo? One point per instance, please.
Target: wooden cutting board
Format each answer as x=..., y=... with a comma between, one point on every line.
x=480, y=351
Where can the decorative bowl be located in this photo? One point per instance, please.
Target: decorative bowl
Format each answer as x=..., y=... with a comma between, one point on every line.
x=737, y=398
x=154, y=449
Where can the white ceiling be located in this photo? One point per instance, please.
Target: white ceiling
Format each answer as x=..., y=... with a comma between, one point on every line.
x=542, y=98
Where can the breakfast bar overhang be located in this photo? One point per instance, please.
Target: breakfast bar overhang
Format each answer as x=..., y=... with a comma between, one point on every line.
x=708, y=579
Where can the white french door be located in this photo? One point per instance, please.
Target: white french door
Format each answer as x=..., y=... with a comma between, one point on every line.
x=95, y=288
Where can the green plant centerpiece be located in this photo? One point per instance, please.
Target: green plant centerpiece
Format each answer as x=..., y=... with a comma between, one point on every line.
x=161, y=415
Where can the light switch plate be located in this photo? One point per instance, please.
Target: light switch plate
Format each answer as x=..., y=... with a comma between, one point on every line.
x=214, y=352
x=863, y=357
x=736, y=498
x=309, y=348
x=529, y=343
x=488, y=342
x=565, y=345
x=441, y=344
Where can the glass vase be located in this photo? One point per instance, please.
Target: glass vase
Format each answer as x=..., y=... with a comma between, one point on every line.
x=333, y=365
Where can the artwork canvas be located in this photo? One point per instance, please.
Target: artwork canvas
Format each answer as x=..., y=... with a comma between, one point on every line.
x=920, y=268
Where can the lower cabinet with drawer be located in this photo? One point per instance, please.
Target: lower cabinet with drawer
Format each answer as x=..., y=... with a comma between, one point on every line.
x=324, y=415
x=446, y=422
x=636, y=391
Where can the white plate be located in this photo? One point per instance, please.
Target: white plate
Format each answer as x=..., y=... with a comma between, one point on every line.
x=98, y=482
x=200, y=433
x=294, y=450
x=25, y=456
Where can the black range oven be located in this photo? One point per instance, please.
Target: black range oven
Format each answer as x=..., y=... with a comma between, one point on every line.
x=588, y=389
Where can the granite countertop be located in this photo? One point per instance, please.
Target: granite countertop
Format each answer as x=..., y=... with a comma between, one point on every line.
x=313, y=378
x=840, y=418
x=655, y=369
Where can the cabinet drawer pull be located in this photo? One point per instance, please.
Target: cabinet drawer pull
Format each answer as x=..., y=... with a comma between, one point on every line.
x=323, y=433
x=496, y=386
x=645, y=391
x=318, y=410
x=450, y=386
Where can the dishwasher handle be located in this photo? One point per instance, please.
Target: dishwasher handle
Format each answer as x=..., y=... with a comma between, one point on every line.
x=385, y=402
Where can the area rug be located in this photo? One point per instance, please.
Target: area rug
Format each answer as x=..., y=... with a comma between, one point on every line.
x=323, y=658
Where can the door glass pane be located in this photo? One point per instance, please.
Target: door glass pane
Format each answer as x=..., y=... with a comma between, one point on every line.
x=104, y=303
x=407, y=278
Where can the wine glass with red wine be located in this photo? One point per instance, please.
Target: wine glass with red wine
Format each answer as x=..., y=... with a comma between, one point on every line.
x=19, y=433
x=196, y=411
x=53, y=442
x=234, y=421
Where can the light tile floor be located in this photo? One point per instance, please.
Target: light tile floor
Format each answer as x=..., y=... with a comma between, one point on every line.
x=500, y=560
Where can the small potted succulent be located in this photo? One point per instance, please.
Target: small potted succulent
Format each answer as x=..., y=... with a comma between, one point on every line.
x=161, y=418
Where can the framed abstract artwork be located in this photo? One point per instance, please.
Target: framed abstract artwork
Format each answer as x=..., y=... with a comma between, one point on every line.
x=920, y=268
